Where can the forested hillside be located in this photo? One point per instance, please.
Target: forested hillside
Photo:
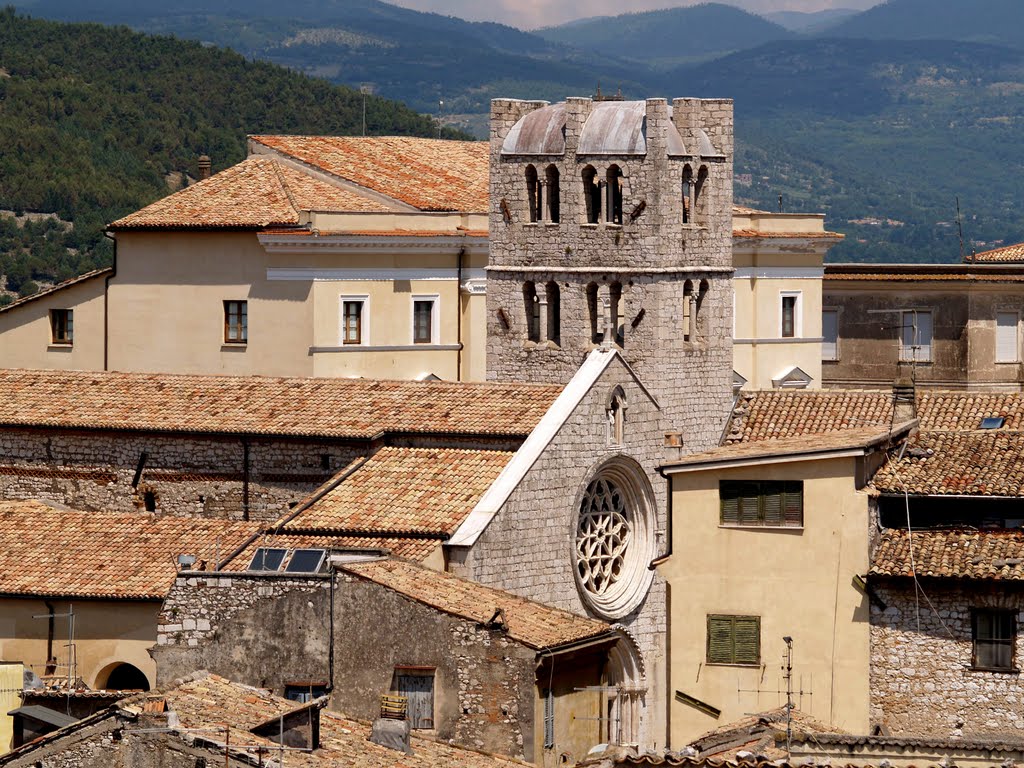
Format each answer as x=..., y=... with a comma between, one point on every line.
x=97, y=121
x=999, y=22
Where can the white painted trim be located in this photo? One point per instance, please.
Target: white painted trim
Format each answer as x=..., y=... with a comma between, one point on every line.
x=351, y=274
x=383, y=348
x=364, y=320
x=306, y=244
x=756, y=461
x=475, y=286
x=779, y=273
x=435, y=325
x=501, y=489
x=804, y=340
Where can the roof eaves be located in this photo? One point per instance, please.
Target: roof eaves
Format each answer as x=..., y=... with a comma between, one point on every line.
x=59, y=287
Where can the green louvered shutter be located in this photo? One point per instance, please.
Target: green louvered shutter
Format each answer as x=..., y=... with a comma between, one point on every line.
x=746, y=639
x=720, y=640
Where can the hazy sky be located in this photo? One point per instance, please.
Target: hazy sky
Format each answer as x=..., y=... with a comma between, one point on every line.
x=530, y=14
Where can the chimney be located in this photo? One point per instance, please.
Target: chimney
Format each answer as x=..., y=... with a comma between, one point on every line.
x=391, y=729
x=204, y=167
x=904, y=399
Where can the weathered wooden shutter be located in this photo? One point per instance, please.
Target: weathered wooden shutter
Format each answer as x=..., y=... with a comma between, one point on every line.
x=750, y=503
x=771, y=504
x=720, y=650
x=419, y=689
x=746, y=639
x=729, y=496
x=793, y=504
x=549, y=719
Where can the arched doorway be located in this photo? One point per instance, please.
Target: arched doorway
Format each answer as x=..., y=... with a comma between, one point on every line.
x=122, y=676
x=627, y=691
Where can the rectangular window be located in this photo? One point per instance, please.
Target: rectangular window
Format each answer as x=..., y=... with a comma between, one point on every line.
x=417, y=685
x=830, y=334
x=423, y=321
x=304, y=692
x=236, y=322
x=549, y=719
x=993, y=633
x=762, y=502
x=1007, y=344
x=734, y=640
x=352, y=322
x=790, y=319
x=62, y=326
x=916, y=339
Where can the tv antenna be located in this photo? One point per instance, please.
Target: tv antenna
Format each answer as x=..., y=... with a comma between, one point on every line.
x=72, y=648
x=787, y=676
x=960, y=229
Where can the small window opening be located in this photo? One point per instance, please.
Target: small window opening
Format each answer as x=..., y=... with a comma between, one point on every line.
x=616, y=415
x=551, y=177
x=236, y=322
x=689, y=313
x=62, y=326
x=149, y=501
x=614, y=192
x=533, y=193
x=352, y=322
x=615, y=304
x=325, y=462
x=687, y=192
x=992, y=422
x=596, y=331
x=699, y=320
x=305, y=692
x=532, y=306
x=592, y=195
x=554, y=313
x=699, y=202
x=788, y=317
x=422, y=321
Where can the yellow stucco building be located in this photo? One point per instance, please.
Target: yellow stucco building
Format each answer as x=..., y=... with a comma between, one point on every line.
x=332, y=256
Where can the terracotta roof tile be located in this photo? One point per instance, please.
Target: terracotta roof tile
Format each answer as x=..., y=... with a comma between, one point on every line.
x=256, y=193
x=960, y=411
x=428, y=174
x=978, y=463
x=46, y=551
x=951, y=553
x=404, y=491
x=782, y=235
x=338, y=408
x=775, y=414
x=763, y=733
x=1008, y=253
x=533, y=624
x=208, y=702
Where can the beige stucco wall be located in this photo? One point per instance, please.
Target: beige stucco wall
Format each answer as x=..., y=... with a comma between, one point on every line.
x=797, y=580
x=578, y=727
x=25, y=335
x=107, y=633
x=11, y=677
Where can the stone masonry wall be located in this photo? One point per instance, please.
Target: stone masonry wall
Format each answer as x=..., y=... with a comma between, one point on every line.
x=201, y=476
x=922, y=683
x=268, y=631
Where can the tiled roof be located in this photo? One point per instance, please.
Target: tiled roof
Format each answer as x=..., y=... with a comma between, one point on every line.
x=759, y=734
x=951, y=553
x=256, y=193
x=52, y=552
x=960, y=411
x=847, y=439
x=775, y=414
x=428, y=174
x=208, y=702
x=338, y=408
x=981, y=273
x=59, y=287
x=403, y=491
x=979, y=463
x=410, y=548
x=533, y=624
x=1008, y=253
x=787, y=235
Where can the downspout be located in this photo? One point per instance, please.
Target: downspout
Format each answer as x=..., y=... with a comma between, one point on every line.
x=106, y=303
x=330, y=640
x=458, y=319
x=668, y=522
x=49, y=635
x=245, y=478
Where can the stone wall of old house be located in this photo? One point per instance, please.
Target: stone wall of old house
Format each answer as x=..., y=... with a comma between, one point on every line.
x=922, y=681
x=186, y=475
x=270, y=630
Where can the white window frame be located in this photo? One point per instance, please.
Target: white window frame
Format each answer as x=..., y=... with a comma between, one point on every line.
x=907, y=352
x=1015, y=358
x=835, y=356
x=435, y=330
x=364, y=319
x=798, y=312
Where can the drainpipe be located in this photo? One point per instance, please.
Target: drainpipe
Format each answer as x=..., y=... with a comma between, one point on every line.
x=330, y=640
x=668, y=522
x=458, y=319
x=245, y=478
x=106, y=302
x=49, y=634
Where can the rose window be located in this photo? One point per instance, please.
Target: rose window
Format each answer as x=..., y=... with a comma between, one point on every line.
x=613, y=542
x=602, y=537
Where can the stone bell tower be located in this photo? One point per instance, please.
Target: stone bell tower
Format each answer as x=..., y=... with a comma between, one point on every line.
x=611, y=224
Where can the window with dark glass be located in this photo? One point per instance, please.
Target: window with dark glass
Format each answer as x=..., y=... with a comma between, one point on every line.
x=762, y=502
x=422, y=321
x=993, y=633
x=734, y=639
x=352, y=322
x=788, y=317
x=236, y=322
x=62, y=326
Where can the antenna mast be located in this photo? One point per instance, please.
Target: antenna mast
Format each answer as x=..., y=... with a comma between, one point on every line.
x=960, y=229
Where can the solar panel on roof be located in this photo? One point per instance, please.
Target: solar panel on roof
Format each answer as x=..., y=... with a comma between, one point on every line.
x=306, y=561
x=992, y=422
x=267, y=559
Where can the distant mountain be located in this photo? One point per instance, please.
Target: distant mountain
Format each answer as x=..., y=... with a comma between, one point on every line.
x=882, y=137
x=98, y=121
x=670, y=37
x=999, y=22
x=810, y=22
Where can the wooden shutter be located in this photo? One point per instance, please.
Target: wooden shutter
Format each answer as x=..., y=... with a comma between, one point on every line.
x=793, y=504
x=1006, y=337
x=771, y=504
x=419, y=689
x=747, y=639
x=729, y=496
x=750, y=503
x=720, y=650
